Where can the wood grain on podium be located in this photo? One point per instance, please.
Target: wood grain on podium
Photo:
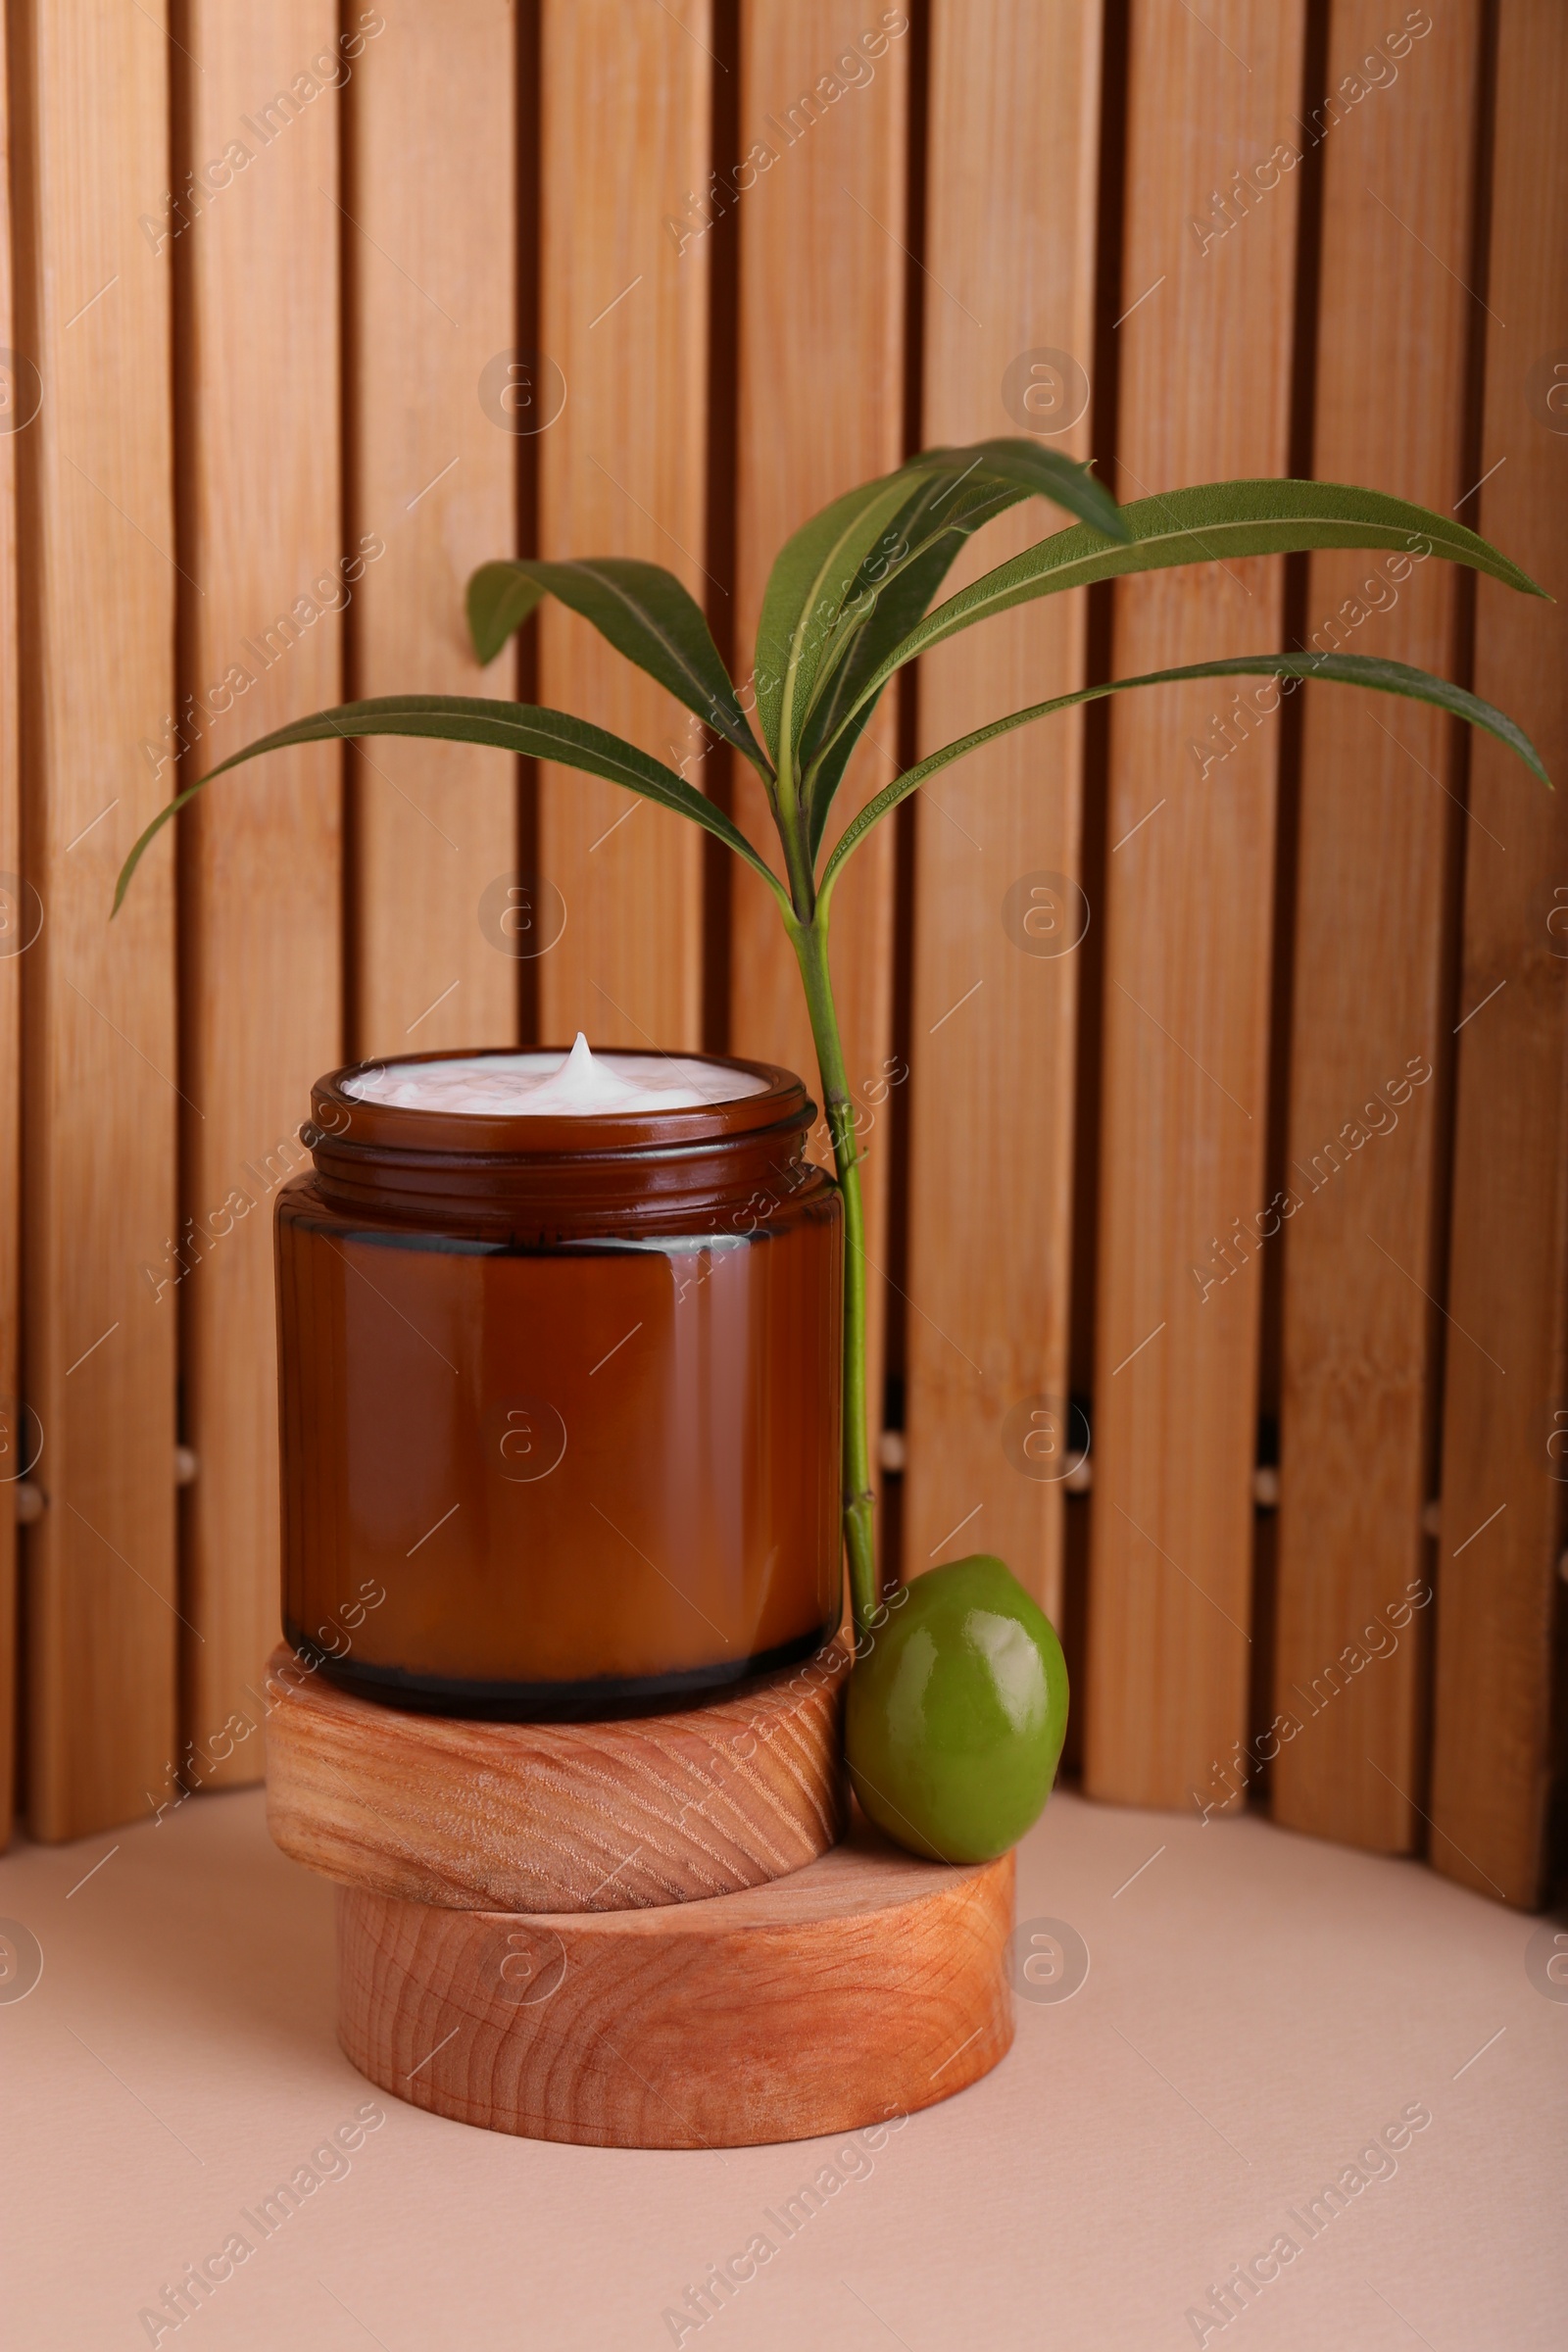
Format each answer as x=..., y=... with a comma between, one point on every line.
x=862, y=1988
x=602, y=1816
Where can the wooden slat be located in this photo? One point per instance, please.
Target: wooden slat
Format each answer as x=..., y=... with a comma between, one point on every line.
x=1377, y=839
x=98, y=577
x=260, y=867
x=625, y=110
x=992, y=1112
x=1186, y=952
x=822, y=362
x=1506, y=1455
x=431, y=242
x=14, y=927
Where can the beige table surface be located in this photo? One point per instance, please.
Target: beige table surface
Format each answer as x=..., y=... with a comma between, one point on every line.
x=1257, y=2008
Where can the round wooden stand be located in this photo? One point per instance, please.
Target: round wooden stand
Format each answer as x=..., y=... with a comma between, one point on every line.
x=639, y=1933
x=558, y=1817
x=857, y=1989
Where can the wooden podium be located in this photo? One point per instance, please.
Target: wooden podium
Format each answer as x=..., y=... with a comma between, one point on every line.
x=656, y=1932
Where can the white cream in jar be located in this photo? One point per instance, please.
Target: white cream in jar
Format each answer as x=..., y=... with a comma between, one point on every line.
x=507, y=1086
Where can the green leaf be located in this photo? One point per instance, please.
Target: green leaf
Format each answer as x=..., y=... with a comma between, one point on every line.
x=933, y=521
x=840, y=713
x=842, y=710
x=1217, y=523
x=807, y=591
x=521, y=728
x=501, y=598
x=1346, y=670
x=1037, y=472
x=956, y=491
x=835, y=569
x=645, y=612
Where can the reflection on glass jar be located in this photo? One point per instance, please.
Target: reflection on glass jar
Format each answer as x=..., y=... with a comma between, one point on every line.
x=567, y=1389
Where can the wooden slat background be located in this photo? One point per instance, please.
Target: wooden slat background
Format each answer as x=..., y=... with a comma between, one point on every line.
x=825, y=344
x=296, y=388
x=986, y=1330
x=431, y=266
x=102, y=1087
x=1187, y=911
x=261, y=639
x=1505, y=1457
x=15, y=927
x=625, y=111
x=1381, y=808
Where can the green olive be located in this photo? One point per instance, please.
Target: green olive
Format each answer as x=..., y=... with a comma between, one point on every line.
x=956, y=1712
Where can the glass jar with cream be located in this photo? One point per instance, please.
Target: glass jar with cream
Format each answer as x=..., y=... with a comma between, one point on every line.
x=558, y=1366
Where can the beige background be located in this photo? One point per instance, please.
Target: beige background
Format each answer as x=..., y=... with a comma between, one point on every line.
x=1257, y=2005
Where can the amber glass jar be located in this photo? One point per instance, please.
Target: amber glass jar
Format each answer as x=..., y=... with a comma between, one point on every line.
x=559, y=1400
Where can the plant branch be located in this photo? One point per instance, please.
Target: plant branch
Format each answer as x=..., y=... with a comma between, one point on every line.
x=811, y=944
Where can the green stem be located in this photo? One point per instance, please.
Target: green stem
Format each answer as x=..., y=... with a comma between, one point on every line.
x=809, y=942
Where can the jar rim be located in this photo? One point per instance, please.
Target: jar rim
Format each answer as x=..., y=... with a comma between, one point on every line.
x=345, y=1123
